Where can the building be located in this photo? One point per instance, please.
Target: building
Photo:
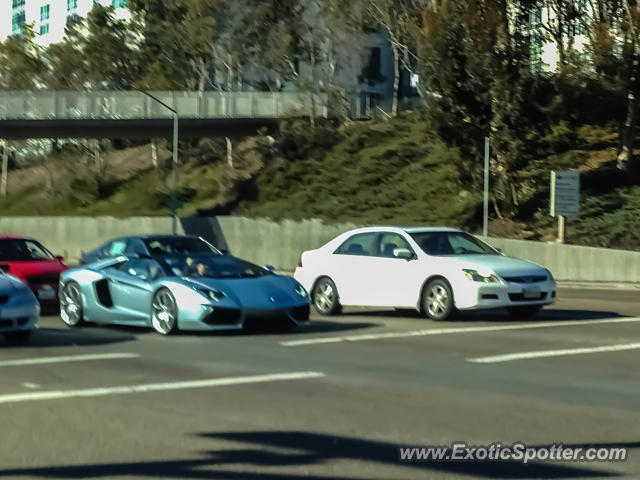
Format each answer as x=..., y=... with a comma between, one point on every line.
x=48, y=17
x=545, y=25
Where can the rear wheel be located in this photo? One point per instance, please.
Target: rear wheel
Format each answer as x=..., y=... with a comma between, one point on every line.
x=528, y=311
x=325, y=297
x=437, y=300
x=71, y=310
x=164, y=312
x=17, y=338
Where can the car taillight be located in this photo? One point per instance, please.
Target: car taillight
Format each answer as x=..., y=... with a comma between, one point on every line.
x=5, y=267
x=300, y=261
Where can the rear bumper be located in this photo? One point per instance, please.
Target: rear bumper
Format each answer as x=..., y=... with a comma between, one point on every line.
x=477, y=296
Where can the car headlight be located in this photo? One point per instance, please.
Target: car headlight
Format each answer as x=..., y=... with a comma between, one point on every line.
x=301, y=291
x=212, y=294
x=483, y=277
x=549, y=274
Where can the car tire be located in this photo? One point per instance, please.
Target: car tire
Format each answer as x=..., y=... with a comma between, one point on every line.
x=71, y=308
x=164, y=312
x=437, y=300
x=524, y=312
x=325, y=298
x=17, y=338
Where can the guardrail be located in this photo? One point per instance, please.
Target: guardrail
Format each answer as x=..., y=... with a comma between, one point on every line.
x=130, y=105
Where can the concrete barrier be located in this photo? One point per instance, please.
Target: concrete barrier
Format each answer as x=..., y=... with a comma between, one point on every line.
x=263, y=241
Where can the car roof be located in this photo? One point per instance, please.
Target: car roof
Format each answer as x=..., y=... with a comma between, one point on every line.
x=397, y=229
x=153, y=236
x=430, y=229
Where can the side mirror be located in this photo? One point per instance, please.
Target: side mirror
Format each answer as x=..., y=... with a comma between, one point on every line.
x=403, y=253
x=269, y=268
x=60, y=258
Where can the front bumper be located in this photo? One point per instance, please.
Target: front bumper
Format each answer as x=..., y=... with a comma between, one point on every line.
x=223, y=318
x=477, y=296
x=19, y=313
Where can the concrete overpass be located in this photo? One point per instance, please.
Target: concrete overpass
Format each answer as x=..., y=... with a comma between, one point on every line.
x=132, y=114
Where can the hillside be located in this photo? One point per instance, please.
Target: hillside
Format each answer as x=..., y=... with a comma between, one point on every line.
x=390, y=172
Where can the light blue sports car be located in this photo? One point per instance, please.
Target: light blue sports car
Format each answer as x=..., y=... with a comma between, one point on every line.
x=19, y=309
x=180, y=292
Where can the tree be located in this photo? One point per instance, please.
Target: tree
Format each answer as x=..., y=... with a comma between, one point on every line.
x=400, y=19
x=21, y=63
x=630, y=26
x=176, y=42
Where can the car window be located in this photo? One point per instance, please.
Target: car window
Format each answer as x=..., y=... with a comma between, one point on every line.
x=215, y=267
x=135, y=247
x=117, y=247
x=143, y=268
x=178, y=245
x=388, y=242
x=17, y=249
x=359, y=244
x=451, y=243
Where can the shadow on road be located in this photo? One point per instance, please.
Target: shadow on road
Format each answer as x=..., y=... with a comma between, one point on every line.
x=498, y=315
x=61, y=337
x=304, y=449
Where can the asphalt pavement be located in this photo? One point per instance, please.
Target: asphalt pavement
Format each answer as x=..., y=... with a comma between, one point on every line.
x=336, y=400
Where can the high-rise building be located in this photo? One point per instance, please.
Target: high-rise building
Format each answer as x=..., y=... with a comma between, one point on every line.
x=48, y=17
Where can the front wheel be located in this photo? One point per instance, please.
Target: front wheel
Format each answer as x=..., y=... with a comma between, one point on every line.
x=17, y=338
x=437, y=300
x=325, y=297
x=71, y=310
x=164, y=312
x=528, y=311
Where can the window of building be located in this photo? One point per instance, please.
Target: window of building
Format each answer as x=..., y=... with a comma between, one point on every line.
x=119, y=3
x=44, y=29
x=18, y=3
x=535, y=55
x=18, y=22
x=72, y=5
x=44, y=12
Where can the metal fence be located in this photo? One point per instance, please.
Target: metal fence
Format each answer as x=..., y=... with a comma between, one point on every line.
x=127, y=105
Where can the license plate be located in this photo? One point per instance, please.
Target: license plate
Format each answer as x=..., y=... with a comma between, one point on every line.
x=46, y=294
x=531, y=292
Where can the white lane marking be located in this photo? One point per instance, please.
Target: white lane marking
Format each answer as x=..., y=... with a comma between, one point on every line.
x=445, y=331
x=554, y=353
x=30, y=385
x=67, y=358
x=155, y=387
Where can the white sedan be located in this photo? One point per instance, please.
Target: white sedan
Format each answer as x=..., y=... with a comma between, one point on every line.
x=434, y=270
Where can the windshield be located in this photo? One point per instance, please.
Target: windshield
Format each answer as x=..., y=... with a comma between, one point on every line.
x=20, y=250
x=451, y=243
x=215, y=267
x=173, y=245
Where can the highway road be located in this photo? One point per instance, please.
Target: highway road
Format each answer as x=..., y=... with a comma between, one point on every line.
x=333, y=401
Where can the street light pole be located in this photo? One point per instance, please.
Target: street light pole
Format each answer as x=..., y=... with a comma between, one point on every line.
x=176, y=120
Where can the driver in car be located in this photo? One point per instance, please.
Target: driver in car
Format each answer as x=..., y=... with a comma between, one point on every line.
x=195, y=270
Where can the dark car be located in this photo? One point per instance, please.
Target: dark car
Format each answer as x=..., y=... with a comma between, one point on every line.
x=150, y=246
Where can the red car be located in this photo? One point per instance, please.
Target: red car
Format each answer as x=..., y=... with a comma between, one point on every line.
x=28, y=260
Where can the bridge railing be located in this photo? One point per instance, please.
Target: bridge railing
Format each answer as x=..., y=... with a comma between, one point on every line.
x=129, y=105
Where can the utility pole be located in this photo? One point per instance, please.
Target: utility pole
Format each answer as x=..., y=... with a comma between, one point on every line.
x=174, y=202
x=485, y=207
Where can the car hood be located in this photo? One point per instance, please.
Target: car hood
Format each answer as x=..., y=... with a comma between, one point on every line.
x=500, y=264
x=9, y=284
x=268, y=291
